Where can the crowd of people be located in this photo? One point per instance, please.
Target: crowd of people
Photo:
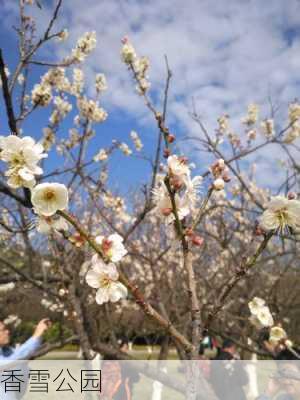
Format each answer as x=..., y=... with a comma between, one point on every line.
x=231, y=379
x=219, y=365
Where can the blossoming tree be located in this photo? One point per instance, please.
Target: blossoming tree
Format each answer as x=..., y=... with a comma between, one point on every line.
x=195, y=250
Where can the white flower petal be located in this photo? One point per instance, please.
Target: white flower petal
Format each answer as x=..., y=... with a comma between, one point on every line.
x=93, y=278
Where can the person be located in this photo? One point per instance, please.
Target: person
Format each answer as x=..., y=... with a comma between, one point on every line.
x=204, y=362
x=284, y=384
x=227, y=374
x=25, y=350
x=117, y=378
x=275, y=390
x=9, y=354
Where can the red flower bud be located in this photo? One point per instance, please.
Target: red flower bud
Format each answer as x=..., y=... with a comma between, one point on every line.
x=226, y=177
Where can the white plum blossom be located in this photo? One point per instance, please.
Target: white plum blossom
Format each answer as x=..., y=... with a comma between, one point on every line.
x=47, y=225
x=7, y=287
x=48, y=198
x=41, y=95
x=294, y=112
x=219, y=184
x=267, y=127
x=101, y=84
x=252, y=115
x=56, y=78
x=281, y=214
x=293, y=133
x=277, y=334
x=192, y=189
x=260, y=314
x=102, y=155
x=223, y=122
x=84, y=46
x=255, y=304
x=21, y=79
x=22, y=156
x=125, y=149
x=112, y=248
x=178, y=166
x=104, y=277
x=163, y=204
x=12, y=320
x=128, y=53
x=136, y=141
x=78, y=81
x=139, y=66
x=90, y=110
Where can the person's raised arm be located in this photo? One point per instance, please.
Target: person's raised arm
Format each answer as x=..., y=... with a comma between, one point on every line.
x=25, y=350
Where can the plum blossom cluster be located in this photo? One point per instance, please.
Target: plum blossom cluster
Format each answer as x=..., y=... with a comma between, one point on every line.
x=294, y=121
x=100, y=84
x=136, y=141
x=13, y=320
x=90, y=110
x=220, y=173
x=62, y=108
x=252, y=115
x=185, y=190
x=139, y=65
x=7, y=287
x=267, y=127
x=125, y=149
x=41, y=95
x=54, y=306
x=282, y=215
x=54, y=78
x=103, y=274
x=22, y=156
x=261, y=317
x=84, y=46
x=102, y=155
x=223, y=122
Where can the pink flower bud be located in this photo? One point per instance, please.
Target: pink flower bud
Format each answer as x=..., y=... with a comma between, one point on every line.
x=176, y=182
x=125, y=40
x=292, y=196
x=197, y=240
x=166, y=211
x=183, y=160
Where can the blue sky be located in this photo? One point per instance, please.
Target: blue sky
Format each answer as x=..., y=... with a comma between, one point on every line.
x=223, y=54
